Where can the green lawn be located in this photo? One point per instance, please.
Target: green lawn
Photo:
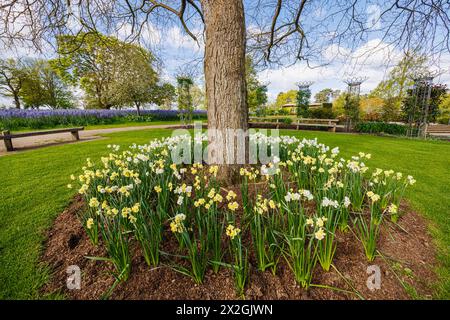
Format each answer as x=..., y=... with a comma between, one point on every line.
x=33, y=192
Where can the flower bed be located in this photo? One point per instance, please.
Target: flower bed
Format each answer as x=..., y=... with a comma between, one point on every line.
x=289, y=210
x=13, y=119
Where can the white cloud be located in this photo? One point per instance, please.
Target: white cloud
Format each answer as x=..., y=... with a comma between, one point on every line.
x=175, y=38
x=372, y=60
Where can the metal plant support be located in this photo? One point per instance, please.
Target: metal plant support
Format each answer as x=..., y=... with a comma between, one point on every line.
x=353, y=91
x=304, y=87
x=421, y=91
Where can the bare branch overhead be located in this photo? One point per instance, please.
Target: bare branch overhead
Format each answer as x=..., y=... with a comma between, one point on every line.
x=278, y=31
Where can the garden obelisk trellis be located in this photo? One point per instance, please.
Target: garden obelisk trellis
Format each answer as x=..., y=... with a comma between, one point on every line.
x=352, y=100
x=421, y=91
x=303, y=95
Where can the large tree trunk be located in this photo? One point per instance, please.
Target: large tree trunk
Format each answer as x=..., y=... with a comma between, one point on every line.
x=226, y=93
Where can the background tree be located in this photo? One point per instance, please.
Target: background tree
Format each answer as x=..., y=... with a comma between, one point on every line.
x=371, y=108
x=33, y=93
x=185, y=105
x=88, y=59
x=198, y=97
x=389, y=110
x=164, y=95
x=338, y=105
x=134, y=76
x=288, y=97
x=323, y=96
x=12, y=76
x=444, y=110
x=256, y=92
x=56, y=91
x=303, y=97
x=393, y=90
x=257, y=99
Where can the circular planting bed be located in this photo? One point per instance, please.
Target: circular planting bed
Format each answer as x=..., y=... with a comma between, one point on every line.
x=307, y=225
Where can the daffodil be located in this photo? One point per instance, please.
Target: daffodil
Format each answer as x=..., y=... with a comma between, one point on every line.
x=232, y=232
x=89, y=223
x=135, y=208
x=231, y=195
x=93, y=203
x=233, y=206
x=320, y=234
x=392, y=208
x=272, y=204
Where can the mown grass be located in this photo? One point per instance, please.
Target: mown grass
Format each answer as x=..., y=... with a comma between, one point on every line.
x=33, y=191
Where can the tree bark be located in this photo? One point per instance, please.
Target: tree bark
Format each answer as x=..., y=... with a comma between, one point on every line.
x=138, y=108
x=17, y=101
x=226, y=93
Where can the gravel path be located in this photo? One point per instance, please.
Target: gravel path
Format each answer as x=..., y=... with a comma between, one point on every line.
x=27, y=143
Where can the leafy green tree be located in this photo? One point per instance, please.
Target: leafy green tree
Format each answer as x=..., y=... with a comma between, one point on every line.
x=185, y=105
x=389, y=109
x=303, y=97
x=198, y=98
x=134, y=77
x=90, y=60
x=289, y=97
x=338, y=105
x=12, y=77
x=444, y=110
x=43, y=87
x=324, y=95
x=256, y=92
x=33, y=93
x=257, y=99
x=164, y=95
x=393, y=90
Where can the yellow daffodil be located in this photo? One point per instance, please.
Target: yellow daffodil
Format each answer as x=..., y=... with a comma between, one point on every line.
x=93, y=203
x=231, y=195
x=136, y=208
x=320, y=234
x=233, y=206
x=232, y=232
x=89, y=223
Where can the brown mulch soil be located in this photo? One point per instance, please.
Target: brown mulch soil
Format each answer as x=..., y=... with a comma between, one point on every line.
x=409, y=260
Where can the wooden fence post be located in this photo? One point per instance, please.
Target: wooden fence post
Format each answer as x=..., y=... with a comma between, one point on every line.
x=7, y=140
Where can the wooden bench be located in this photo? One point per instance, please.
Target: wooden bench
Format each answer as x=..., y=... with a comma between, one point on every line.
x=7, y=137
x=330, y=124
x=438, y=129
